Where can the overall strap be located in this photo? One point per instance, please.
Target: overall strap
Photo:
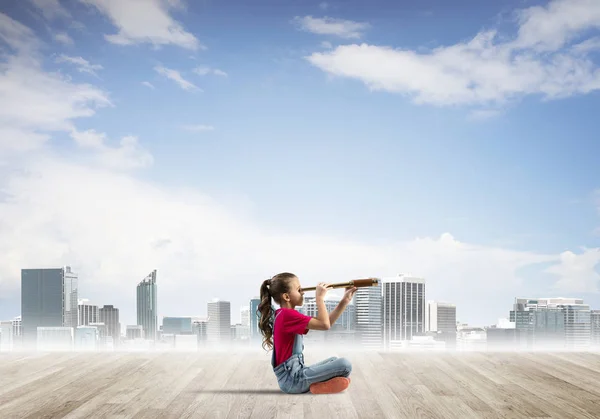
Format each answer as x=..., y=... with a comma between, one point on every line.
x=273, y=356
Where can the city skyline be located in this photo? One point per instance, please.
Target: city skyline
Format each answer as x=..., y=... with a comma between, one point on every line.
x=151, y=279
x=392, y=315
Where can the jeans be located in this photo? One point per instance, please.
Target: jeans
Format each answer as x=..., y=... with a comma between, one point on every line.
x=293, y=377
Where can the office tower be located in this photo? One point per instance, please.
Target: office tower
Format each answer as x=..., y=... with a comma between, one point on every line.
x=245, y=316
x=403, y=308
x=86, y=338
x=595, y=327
x=254, y=317
x=219, y=321
x=134, y=331
x=440, y=317
x=6, y=336
x=440, y=321
x=553, y=322
x=48, y=299
x=17, y=327
x=368, y=306
x=55, y=338
x=177, y=326
x=88, y=313
x=147, y=306
x=578, y=324
x=199, y=328
x=109, y=315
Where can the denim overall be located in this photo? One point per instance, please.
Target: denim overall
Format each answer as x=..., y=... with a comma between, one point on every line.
x=290, y=372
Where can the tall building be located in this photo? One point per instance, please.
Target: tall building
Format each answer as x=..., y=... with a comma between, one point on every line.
x=17, y=327
x=219, y=321
x=440, y=317
x=368, y=318
x=254, y=317
x=6, y=336
x=578, y=324
x=48, y=299
x=109, y=315
x=553, y=322
x=403, y=308
x=134, y=331
x=595, y=328
x=147, y=306
x=177, y=325
x=199, y=327
x=245, y=316
x=88, y=313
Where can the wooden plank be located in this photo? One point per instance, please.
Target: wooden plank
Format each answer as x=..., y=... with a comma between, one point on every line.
x=241, y=384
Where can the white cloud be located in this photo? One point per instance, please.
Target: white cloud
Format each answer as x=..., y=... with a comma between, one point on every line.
x=203, y=71
x=484, y=70
x=83, y=65
x=128, y=155
x=145, y=21
x=40, y=102
x=43, y=104
x=577, y=273
x=63, y=38
x=326, y=44
x=330, y=26
x=51, y=9
x=176, y=77
x=549, y=28
x=148, y=84
x=198, y=128
x=17, y=36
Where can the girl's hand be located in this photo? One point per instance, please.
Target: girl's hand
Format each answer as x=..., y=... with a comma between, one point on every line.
x=349, y=294
x=321, y=290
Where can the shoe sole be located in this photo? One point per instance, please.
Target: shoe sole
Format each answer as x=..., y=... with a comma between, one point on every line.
x=335, y=385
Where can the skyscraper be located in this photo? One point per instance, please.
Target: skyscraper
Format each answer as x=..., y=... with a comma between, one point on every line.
x=147, y=306
x=88, y=313
x=48, y=299
x=595, y=327
x=219, y=321
x=367, y=302
x=109, y=315
x=245, y=316
x=254, y=331
x=440, y=317
x=403, y=308
x=553, y=322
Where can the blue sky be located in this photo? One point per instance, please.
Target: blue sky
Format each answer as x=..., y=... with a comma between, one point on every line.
x=371, y=123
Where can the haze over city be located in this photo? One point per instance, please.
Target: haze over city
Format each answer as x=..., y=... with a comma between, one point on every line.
x=225, y=143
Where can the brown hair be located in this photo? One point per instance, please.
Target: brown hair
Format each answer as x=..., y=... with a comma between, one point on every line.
x=271, y=288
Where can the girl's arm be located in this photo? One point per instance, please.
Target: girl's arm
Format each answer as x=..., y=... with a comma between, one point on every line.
x=321, y=322
x=337, y=312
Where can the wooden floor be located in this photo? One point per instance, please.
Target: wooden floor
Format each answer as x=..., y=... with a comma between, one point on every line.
x=242, y=385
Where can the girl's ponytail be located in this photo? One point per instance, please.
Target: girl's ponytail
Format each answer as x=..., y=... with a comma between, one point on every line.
x=265, y=315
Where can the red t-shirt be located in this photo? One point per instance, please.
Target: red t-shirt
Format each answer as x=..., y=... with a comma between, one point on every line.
x=288, y=324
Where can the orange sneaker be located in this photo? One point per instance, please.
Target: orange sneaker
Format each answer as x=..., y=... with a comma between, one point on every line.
x=335, y=385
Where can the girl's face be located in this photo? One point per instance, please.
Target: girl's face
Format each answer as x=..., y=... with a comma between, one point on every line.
x=295, y=297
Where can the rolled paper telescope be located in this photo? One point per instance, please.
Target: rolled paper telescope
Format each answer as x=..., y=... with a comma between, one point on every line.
x=358, y=283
